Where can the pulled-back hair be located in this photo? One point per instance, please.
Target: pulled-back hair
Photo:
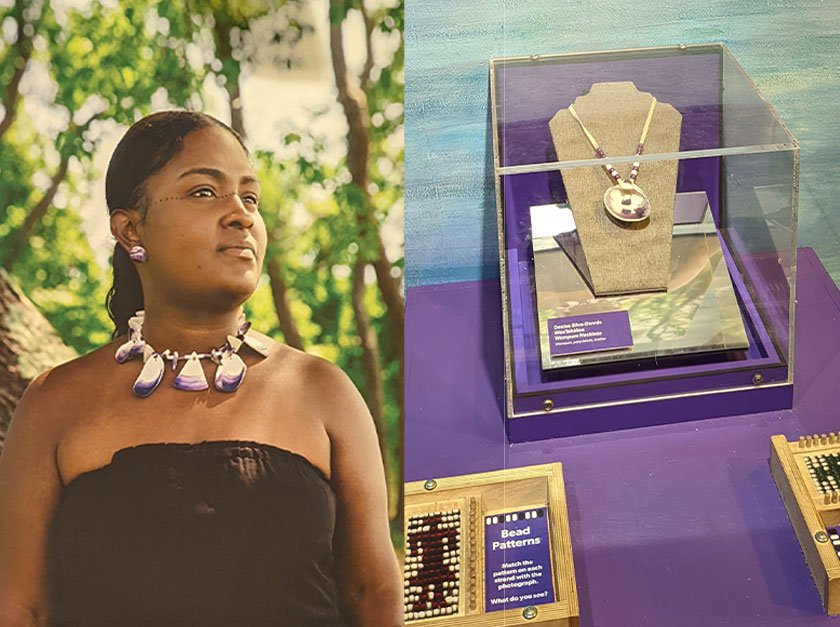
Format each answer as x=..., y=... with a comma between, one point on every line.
x=147, y=146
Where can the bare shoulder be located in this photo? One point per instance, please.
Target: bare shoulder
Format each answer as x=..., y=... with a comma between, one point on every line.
x=319, y=374
x=44, y=413
x=319, y=383
x=52, y=393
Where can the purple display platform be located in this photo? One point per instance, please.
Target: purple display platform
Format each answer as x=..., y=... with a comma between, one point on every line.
x=679, y=524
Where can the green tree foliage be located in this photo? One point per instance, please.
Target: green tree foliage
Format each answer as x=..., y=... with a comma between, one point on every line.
x=101, y=66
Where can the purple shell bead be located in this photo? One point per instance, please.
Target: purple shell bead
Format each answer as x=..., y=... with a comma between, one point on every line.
x=150, y=376
x=129, y=349
x=191, y=378
x=230, y=373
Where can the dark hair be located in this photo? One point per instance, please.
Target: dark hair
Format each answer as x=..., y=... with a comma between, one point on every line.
x=146, y=147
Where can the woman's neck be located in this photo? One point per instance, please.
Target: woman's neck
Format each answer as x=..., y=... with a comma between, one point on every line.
x=187, y=332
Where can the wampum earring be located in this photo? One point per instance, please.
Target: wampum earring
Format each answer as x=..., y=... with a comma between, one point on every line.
x=138, y=254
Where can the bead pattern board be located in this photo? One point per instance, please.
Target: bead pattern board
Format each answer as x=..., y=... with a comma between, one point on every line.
x=824, y=471
x=449, y=577
x=432, y=564
x=807, y=474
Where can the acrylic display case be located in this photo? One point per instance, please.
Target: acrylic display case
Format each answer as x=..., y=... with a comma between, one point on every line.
x=685, y=314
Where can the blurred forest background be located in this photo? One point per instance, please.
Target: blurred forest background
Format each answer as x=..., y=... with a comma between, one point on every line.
x=316, y=89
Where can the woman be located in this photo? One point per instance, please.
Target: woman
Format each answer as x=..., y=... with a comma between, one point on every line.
x=129, y=498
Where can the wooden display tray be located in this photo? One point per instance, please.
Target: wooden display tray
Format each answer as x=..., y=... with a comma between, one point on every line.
x=479, y=495
x=811, y=511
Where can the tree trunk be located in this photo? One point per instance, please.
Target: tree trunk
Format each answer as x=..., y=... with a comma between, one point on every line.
x=237, y=119
x=373, y=392
x=21, y=52
x=279, y=293
x=18, y=240
x=395, y=307
x=353, y=100
x=28, y=346
x=354, y=103
x=279, y=289
x=224, y=52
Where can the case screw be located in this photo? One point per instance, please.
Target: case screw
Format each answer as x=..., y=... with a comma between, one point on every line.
x=821, y=537
x=682, y=47
x=529, y=612
x=535, y=57
x=548, y=404
x=430, y=484
x=758, y=378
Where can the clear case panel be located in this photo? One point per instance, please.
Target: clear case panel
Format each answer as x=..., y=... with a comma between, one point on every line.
x=758, y=224
x=707, y=302
x=748, y=121
x=721, y=108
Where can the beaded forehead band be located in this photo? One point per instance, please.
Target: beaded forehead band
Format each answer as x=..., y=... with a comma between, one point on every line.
x=185, y=196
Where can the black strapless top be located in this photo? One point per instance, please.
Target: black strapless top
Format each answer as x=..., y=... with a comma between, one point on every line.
x=217, y=533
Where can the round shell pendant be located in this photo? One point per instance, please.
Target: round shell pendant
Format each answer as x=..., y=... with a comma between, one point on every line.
x=627, y=202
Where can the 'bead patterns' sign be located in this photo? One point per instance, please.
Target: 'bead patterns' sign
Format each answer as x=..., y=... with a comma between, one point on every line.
x=517, y=560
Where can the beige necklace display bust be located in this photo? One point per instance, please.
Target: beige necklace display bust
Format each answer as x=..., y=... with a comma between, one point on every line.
x=623, y=257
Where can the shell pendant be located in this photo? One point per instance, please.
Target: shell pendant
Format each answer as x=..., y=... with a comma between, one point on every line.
x=627, y=202
x=150, y=376
x=128, y=350
x=229, y=373
x=191, y=378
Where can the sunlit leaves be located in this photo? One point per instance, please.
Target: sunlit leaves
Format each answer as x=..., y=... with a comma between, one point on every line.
x=107, y=52
x=108, y=62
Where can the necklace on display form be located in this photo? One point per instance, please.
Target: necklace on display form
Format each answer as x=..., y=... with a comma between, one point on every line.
x=624, y=201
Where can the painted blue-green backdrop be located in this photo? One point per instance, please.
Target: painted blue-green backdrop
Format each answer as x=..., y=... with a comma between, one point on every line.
x=790, y=49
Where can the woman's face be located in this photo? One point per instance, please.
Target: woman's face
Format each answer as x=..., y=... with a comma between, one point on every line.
x=203, y=232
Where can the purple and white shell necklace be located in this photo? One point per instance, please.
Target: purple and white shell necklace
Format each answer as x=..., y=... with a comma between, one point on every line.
x=230, y=369
x=624, y=201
